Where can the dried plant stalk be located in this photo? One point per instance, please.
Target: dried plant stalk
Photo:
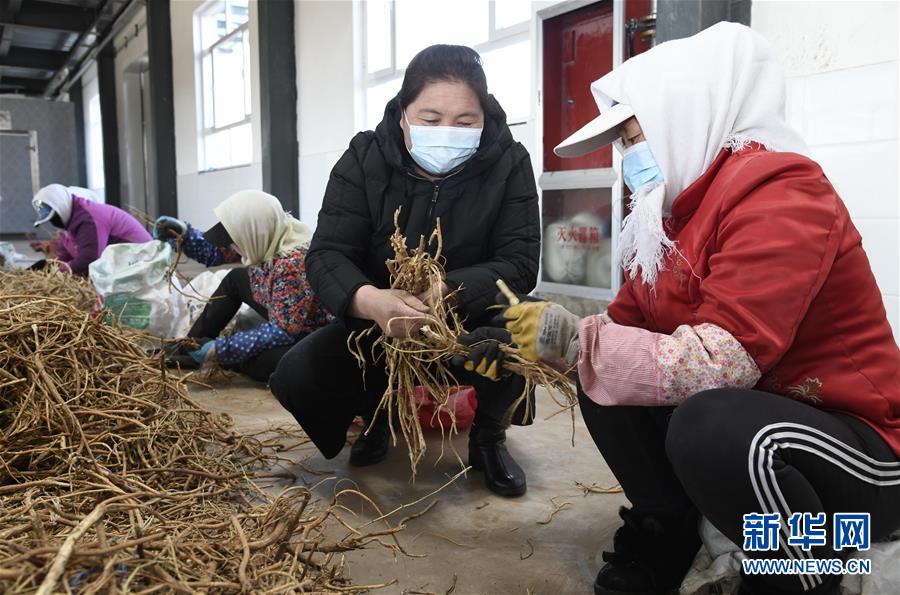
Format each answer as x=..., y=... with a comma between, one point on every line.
x=423, y=359
x=113, y=480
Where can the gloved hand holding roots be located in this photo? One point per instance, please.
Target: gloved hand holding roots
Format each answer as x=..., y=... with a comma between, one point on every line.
x=424, y=358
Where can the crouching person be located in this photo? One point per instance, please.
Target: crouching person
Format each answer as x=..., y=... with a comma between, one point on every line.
x=255, y=230
x=746, y=366
x=443, y=152
x=86, y=226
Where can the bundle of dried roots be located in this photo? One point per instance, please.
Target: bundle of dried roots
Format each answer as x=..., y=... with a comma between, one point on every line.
x=423, y=359
x=113, y=480
x=50, y=282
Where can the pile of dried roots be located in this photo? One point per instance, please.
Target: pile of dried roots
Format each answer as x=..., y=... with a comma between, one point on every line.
x=112, y=479
x=423, y=359
x=49, y=282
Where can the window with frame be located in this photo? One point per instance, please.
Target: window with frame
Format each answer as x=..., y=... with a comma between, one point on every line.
x=95, y=173
x=222, y=47
x=93, y=133
x=396, y=30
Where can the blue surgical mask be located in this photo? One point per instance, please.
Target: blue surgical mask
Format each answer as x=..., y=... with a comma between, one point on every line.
x=639, y=167
x=441, y=149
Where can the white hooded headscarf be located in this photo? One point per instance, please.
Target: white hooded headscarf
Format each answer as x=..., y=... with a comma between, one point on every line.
x=721, y=88
x=259, y=226
x=59, y=198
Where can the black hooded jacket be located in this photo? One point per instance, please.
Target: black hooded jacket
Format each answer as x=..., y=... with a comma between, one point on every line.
x=488, y=210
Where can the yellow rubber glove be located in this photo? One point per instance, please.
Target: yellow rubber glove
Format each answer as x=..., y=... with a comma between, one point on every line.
x=544, y=331
x=523, y=321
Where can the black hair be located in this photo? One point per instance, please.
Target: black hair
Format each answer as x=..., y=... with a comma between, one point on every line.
x=56, y=220
x=442, y=62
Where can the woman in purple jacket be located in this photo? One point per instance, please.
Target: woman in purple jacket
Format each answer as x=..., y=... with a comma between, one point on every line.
x=88, y=227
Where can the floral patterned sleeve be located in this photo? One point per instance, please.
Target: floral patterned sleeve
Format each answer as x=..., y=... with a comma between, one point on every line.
x=195, y=246
x=238, y=347
x=622, y=365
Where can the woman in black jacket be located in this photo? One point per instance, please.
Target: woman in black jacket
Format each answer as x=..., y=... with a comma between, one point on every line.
x=442, y=151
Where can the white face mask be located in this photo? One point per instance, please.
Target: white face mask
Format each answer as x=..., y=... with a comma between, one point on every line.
x=441, y=149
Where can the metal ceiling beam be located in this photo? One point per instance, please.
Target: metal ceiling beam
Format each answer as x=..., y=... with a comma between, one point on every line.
x=44, y=15
x=8, y=13
x=111, y=17
x=10, y=83
x=33, y=58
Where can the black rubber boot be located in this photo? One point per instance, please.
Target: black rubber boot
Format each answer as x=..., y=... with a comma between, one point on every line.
x=371, y=448
x=487, y=453
x=652, y=554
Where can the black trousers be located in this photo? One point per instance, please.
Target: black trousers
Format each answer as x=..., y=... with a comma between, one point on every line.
x=323, y=387
x=233, y=291
x=729, y=452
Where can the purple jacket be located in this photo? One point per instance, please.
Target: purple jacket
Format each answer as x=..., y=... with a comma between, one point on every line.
x=92, y=227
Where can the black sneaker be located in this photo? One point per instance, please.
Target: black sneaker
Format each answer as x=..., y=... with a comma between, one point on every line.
x=371, y=448
x=652, y=554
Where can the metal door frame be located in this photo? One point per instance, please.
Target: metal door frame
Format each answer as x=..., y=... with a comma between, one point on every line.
x=35, y=156
x=595, y=178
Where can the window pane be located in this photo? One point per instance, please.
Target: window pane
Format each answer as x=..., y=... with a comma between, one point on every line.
x=228, y=148
x=247, y=100
x=228, y=81
x=377, y=97
x=95, y=145
x=508, y=72
x=241, y=145
x=238, y=13
x=577, y=243
x=511, y=12
x=216, y=151
x=212, y=24
x=421, y=23
x=378, y=35
x=208, y=91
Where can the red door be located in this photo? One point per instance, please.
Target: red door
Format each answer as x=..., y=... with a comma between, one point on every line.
x=578, y=51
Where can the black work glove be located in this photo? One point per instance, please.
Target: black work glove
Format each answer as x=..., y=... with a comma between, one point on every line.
x=485, y=356
x=167, y=228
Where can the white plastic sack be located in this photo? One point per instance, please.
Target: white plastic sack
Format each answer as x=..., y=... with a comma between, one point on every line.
x=9, y=257
x=131, y=279
x=198, y=291
x=717, y=566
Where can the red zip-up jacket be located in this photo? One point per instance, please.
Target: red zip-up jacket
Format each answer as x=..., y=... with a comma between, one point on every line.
x=767, y=252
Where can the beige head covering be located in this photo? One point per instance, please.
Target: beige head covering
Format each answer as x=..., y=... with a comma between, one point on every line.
x=260, y=227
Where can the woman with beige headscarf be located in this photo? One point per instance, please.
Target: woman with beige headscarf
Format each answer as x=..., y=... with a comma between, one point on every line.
x=255, y=230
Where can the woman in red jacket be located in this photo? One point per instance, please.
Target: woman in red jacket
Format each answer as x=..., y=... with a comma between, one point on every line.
x=746, y=367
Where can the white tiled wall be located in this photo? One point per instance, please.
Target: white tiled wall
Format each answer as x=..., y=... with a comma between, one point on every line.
x=842, y=65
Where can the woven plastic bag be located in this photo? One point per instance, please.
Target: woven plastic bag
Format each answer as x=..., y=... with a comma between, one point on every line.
x=131, y=280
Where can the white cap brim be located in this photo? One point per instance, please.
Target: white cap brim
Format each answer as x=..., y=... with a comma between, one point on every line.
x=597, y=133
x=44, y=219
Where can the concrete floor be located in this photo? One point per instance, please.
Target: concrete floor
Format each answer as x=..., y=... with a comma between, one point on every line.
x=501, y=545
x=482, y=543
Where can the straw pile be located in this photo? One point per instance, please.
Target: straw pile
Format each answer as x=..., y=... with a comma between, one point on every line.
x=423, y=359
x=113, y=480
